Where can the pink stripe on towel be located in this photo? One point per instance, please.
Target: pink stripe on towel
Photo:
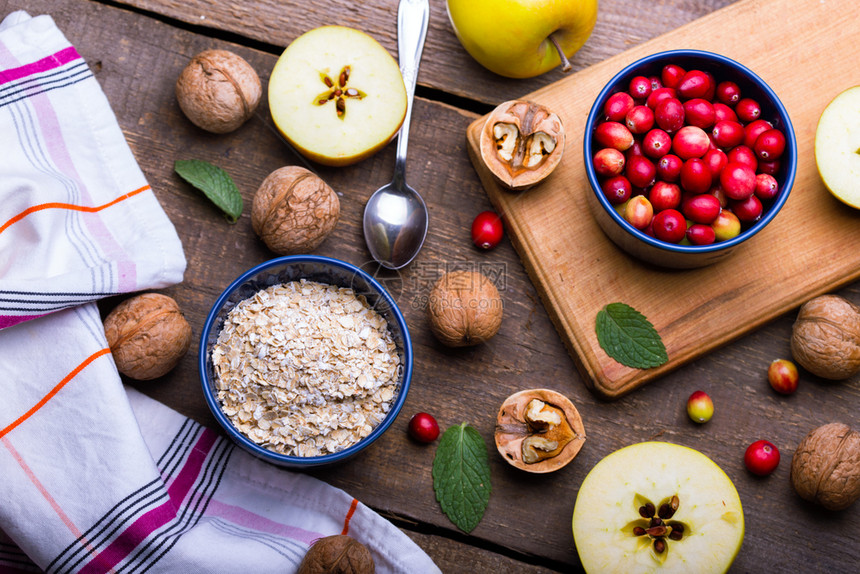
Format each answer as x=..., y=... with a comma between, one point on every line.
x=55, y=60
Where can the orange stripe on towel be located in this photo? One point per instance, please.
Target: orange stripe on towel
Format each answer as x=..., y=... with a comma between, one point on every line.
x=349, y=514
x=69, y=206
x=54, y=391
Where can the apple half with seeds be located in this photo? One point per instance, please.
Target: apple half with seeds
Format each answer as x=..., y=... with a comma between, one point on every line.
x=837, y=146
x=657, y=507
x=337, y=95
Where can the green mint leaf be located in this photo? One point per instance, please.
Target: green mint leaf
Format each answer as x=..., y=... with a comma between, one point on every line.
x=215, y=183
x=461, y=476
x=629, y=338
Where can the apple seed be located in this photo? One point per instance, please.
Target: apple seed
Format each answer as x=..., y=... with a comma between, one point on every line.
x=338, y=93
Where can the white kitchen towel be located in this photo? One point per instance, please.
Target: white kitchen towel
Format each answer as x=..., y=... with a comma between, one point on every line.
x=95, y=477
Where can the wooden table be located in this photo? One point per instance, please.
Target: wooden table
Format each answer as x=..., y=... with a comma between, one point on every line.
x=137, y=49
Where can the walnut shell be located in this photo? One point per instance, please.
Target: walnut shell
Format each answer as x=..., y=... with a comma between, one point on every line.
x=338, y=554
x=218, y=91
x=522, y=143
x=294, y=210
x=147, y=335
x=514, y=427
x=825, y=468
x=825, y=338
x=465, y=309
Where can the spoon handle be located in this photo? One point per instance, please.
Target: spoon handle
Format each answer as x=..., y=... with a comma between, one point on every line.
x=413, y=17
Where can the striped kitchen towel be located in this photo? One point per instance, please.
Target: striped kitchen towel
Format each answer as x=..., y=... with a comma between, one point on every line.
x=95, y=477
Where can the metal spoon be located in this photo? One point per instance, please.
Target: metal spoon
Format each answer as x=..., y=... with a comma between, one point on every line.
x=395, y=217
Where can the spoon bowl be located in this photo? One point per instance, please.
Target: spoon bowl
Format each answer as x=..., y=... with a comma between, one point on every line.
x=395, y=216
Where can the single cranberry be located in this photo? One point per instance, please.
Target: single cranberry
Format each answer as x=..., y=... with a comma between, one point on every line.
x=724, y=112
x=748, y=110
x=728, y=92
x=695, y=176
x=721, y=196
x=770, y=145
x=727, y=134
x=689, y=142
x=754, y=129
x=659, y=95
x=634, y=150
x=737, y=180
x=716, y=160
x=608, y=162
x=614, y=135
x=726, y=226
x=669, y=167
x=694, y=84
x=423, y=428
x=638, y=212
x=766, y=186
x=487, y=230
x=743, y=154
x=656, y=83
x=702, y=208
x=641, y=171
x=761, y=457
x=783, y=376
x=748, y=210
x=700, y=113
x=664, y=195
x=669, y=226
x=617, y=189
x=639, y=119
x=656, y=143
x=671, y=75
x=699, y=234
x=669, y=115
x=770, y=167
x=617, y=106
x=640, y=88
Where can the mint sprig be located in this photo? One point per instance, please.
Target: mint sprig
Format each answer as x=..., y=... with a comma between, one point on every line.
x=629, y=338
x=461, y=476
x=215, y=183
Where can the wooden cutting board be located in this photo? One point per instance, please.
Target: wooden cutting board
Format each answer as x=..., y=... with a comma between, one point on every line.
x=806, y=52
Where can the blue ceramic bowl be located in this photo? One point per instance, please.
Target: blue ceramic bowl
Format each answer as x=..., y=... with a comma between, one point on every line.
x=651, y=249
x=312, y=268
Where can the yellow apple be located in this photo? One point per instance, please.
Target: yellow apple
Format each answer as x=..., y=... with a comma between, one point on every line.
x=837, y=146
x=337, y=95
x=657, y=507
x=516, y=38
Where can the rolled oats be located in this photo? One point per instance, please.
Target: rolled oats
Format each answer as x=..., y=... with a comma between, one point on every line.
x=305, y=368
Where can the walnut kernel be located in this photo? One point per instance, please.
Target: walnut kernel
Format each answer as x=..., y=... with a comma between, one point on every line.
x=218, y=91
x=465, y=309
x=825, y=338
x=294, y=210
x=338, y=554
x=825, y=468
x=147, y=335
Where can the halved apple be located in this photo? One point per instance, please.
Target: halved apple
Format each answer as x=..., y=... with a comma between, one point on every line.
x=657, y=507
x=837, y=146
x=337, y=95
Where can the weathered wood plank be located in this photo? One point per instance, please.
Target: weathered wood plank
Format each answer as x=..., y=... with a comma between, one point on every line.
x=137, y=60
x=446, y=65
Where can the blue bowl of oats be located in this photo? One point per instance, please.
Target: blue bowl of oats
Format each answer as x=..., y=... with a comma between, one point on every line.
x=305, y=360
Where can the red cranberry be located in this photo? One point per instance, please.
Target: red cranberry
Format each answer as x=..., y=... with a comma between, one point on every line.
x=766, y=186
x=669, y=115
x=699, y=112
x=617, y=189
x=716, y=160
x=737, y=180
x=743, y=154
x=487, y=230
x=724, y=112
x=702, y=208
x=669, y=226
x=671, y=74
x=635, y=149
x=728, y=92
x=659, y=95
x=614, y=135
x=423, y=428
x=608, y=162
x=656, y=143
x=656, y=83
x=748, y=210
x=770, y=145
x=728, y=134
x=754, y=129
x=641, y=171
x=770, y=167
x=761, y=457
x=640, y=87
x=669, y=167
x=695, y=176
x=721, y=196
x=617, y=106
x=638, y=212
x=699, y=234
x=640, y=119
x=748, y=110
x=694, y=84
x=689, y=142
x=664, y=195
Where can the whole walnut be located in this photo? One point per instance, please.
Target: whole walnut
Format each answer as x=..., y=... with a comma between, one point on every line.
x=218, y=91
x=825, y=468
x=294, y=210
x=465, y=309
x=147, y=335
x=825, y=338
x=338, y=554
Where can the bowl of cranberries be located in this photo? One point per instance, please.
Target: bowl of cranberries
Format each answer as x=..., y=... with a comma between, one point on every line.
x=689, y=154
